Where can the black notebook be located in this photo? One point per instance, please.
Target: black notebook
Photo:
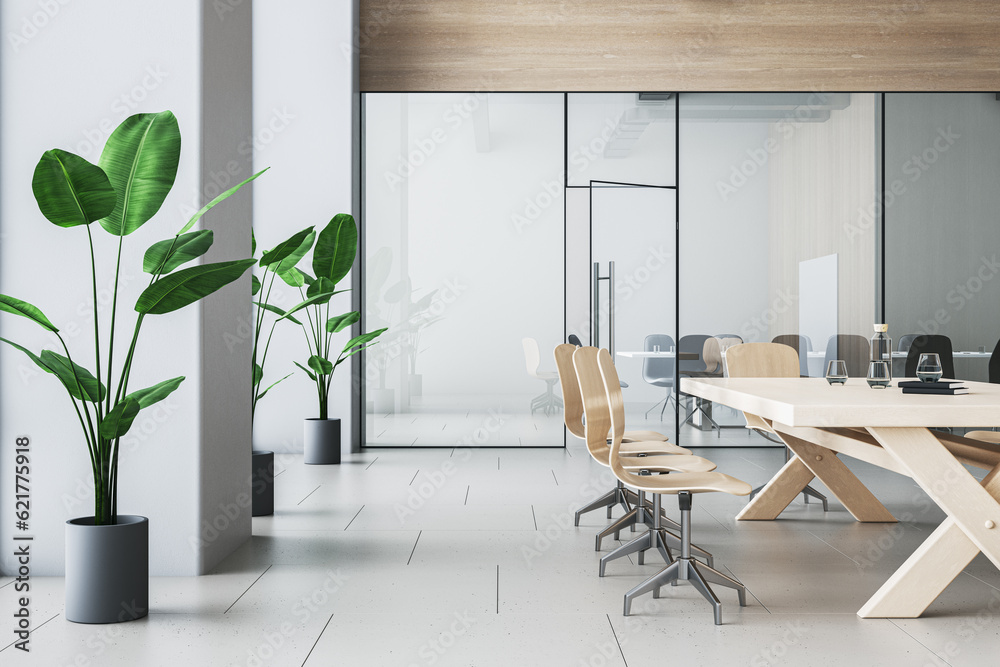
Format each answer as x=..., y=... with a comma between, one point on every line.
x=948, y=391
x=940, y=384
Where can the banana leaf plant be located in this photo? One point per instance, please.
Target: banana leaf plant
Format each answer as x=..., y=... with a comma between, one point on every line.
x=333, y=255
x=122, y=192
x=278, y=262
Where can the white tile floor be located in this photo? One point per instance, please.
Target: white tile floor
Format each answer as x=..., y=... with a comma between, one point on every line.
x=469, y=557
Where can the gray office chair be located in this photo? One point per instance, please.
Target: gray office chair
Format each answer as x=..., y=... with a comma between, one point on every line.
x=802, y=347
x=659, y=372
x=695, y=344
x=854, y=350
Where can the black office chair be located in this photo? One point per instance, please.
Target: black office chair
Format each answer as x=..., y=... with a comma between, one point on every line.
x=905, y=341
x=659, y=372
x=995, y=365
x=573, y=339
x=941, y=345
x=854, y=350
x=802, y=347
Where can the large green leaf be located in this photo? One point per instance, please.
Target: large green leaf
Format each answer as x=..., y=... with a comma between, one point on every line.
x=69, y=373
x=71, y=191
x=119, y=420
x=319, y=298
x=335, y=248
x=189, y=285
x=165, y=256
x=341, y=322
x=321, y=287
x=312, y=376
x=357, y=344
x=320, y=365
x=254, y=285
x=11, y=305
x=258, y=374
x=277, y=311
x=292, y=277
x=140, y=159
x=287, y=247
x=31, y=355
x=152, y=395
x=264, y=393
x=225, y=195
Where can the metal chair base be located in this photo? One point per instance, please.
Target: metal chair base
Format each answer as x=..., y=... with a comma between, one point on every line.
x=656, y=537
x=686, y=568
x=548, y=402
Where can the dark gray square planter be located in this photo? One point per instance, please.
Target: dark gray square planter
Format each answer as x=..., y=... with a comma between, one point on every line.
x=262, y=483
x=107, y=570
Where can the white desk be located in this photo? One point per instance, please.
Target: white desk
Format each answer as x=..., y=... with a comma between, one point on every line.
x=643, y=354
x=889, y=429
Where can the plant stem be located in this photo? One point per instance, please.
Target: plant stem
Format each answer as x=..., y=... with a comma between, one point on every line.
x=97, y=331
x=114, y=312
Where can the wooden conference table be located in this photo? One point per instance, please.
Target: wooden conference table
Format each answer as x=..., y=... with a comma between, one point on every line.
x=889, y=429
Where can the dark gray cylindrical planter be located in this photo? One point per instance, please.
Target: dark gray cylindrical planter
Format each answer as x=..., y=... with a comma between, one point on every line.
x=262, y=483
x=321, y=441
x=107, y=570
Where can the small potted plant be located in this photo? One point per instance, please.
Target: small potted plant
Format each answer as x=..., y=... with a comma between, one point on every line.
x=107, y=554
x=277, y=262
x=333, y=255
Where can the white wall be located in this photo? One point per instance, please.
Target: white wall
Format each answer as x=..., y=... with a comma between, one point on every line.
x=303, y=128
x=71, y=79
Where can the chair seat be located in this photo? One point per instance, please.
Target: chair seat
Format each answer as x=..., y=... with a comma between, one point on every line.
x=547, y=375
x=669, y=463
x=695, y=482
x=651, y=447
x=985, y=436
x=636, y=436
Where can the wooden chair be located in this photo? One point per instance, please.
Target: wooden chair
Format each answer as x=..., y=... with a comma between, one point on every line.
x=603, y=404
x=650, y=451
x=764, y=360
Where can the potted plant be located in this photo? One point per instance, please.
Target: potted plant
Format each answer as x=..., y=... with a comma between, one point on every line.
x=333, y=255
x=107, y=554
x=280, y=262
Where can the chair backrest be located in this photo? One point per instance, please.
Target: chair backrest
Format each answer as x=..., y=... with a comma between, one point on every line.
x=573, y=339
x=572, y=401
x=726, y=342
x=660, y=371
x=854, y=350
x=801, y=346
x=924, y=344
x=595, y=402
x=711, y=353
x=692, y=343
x=616, y=409
x=532, y=357
x=761, y=360
x=995, y=365
x=905, y=341
x=736, y=336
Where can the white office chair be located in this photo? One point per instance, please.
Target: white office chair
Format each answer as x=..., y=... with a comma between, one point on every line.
x=548, y=402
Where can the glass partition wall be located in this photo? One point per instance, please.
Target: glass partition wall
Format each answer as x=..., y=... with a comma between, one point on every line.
x=738, y=217
x=463, y=262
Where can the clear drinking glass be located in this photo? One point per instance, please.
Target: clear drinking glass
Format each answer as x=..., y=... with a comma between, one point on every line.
x=879, y=374
x=929, y=367
x=836, y=372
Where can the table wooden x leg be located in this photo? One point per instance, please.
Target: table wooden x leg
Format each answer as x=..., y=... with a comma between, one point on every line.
x=812, y=460
x=972, y=525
